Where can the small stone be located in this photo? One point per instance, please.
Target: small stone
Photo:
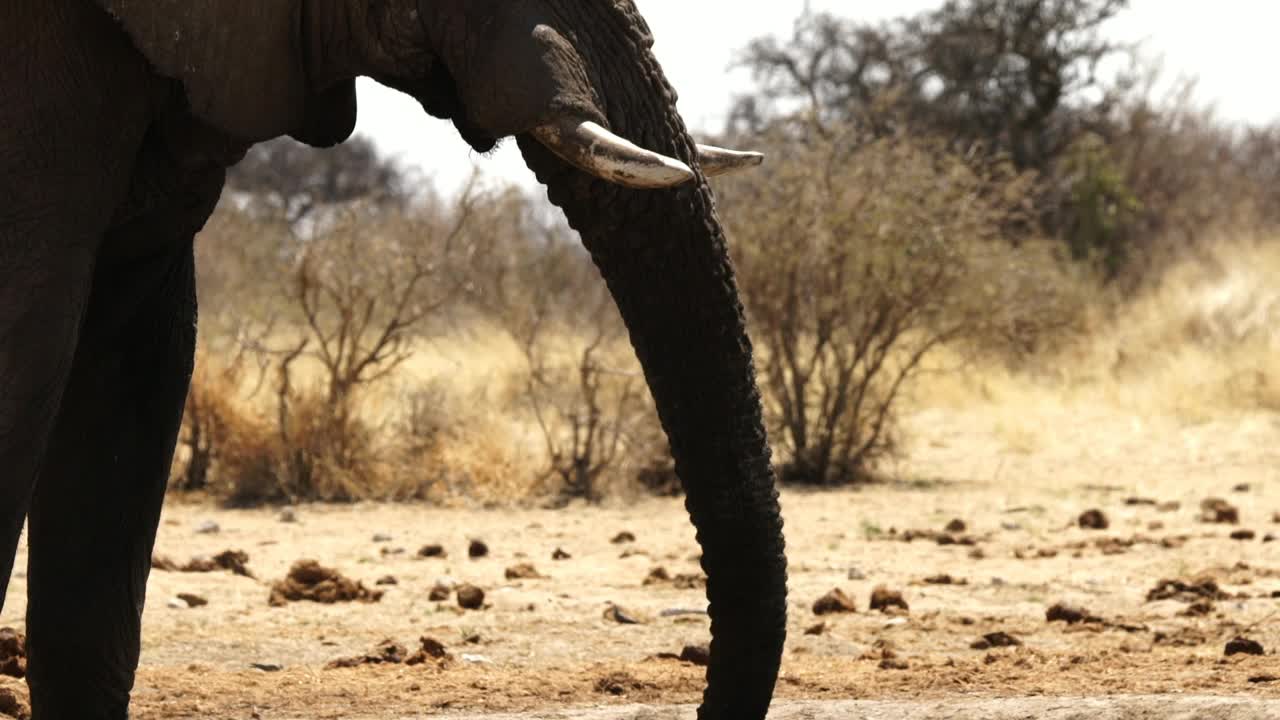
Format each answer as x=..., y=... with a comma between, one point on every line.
x=696, y=654
x=1244, y=646
x=618, y=683
x=439, y=593
x=617, y=614
x=835, y=601
x=160, y=562
x=477, y=549
x=1069, y=614
x=689, y=581
x=818, y=629
x=1093, y=520
x=1198, y=609
x=1169, y=507
x=470, y=597
x=956, y=526
x=389, y=551
x=856, y=574
x=893, y=663
x=623, y=537
x=682, y=612
x=657, y=575
x=382, y=538
x=1139, y=501
x=434, y=550
x=388, y=580
x=208, y=527
x=523, y=571
x=288, y=515
x=1244, y=535
x=1193, y=590
x=560, y=555
x=387, y=652
x=1242, y=488
x=1217, y=510
x=431, y=650
x=995, y=640
x=882, y=598
x=192, y=600
x=1269, y=538
x=267, y=667
x=430, y=647
x=944, y=579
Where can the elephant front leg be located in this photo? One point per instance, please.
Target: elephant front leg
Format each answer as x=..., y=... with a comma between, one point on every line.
x=42, y=297
x=97, y=502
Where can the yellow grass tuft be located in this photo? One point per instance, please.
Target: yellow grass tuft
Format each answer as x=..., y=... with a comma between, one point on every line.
x=1202, y=343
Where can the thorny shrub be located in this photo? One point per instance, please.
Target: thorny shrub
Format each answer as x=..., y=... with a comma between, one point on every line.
x=856, y=257
x=579, y=381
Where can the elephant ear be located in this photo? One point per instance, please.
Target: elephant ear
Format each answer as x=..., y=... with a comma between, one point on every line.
x=242, y=63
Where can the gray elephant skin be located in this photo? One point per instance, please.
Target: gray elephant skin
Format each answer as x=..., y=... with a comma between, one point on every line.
x=117, y=121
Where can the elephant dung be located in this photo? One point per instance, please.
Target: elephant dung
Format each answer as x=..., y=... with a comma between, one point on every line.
x=388, y=652
x=13, y=653
x=470, y=597
x=524, y=571
x=883, y=599
x=309, y=580
x=835, y=601
x=13, y=706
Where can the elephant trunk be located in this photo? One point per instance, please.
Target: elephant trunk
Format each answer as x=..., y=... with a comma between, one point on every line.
x=664, y=257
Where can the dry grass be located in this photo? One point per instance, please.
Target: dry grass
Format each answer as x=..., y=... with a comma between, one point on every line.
x=451, y=426
x=1200, y=345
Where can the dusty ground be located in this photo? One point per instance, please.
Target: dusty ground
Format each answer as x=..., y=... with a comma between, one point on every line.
x=545, y=644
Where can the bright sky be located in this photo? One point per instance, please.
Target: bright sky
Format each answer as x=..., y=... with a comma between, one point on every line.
x=1230, y=48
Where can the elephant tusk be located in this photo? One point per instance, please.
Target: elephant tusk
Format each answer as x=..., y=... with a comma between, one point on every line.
x=719, y=161
x=591, y=148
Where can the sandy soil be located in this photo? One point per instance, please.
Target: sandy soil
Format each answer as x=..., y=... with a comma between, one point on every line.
x=546, y=644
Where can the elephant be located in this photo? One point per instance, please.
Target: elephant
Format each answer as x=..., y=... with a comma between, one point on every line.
x=118, y=119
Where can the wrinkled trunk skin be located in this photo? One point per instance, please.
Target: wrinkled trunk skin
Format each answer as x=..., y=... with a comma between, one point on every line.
x=664, y=257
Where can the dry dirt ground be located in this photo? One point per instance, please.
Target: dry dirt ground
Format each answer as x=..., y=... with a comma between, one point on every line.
x=544, y=645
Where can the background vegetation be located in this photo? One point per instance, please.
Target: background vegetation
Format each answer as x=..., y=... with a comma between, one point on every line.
x=990, y=187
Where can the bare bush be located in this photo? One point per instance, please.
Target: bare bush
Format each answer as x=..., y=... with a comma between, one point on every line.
x=224, y=449
x=852, y=257
x=580, y=382
x=326, y=315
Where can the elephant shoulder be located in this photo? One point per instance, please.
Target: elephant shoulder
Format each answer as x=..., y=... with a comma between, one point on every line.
x=241, y=64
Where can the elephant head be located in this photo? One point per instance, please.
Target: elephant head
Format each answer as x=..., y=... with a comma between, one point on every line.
x=554, y=74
